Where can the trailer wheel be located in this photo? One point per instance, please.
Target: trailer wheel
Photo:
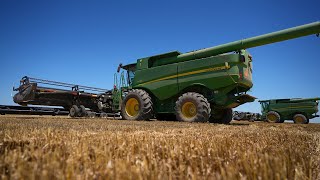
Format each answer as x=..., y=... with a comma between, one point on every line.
x=137, y=105
x=300, y=119
x=273, y=117
x=192, y=107
x=74, y=111
x=223, y=116
x=83, y=111
x=91, y=114
x=103, y=115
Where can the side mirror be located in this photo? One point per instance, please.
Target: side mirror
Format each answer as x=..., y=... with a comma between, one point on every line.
x=119, y=67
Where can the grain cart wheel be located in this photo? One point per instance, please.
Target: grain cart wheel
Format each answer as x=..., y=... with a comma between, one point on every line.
x=300, y=119
x=74, y=111
x=273, y=117
x=192, y=107
x=137, y=105
x=83, y=111
x=224, y=116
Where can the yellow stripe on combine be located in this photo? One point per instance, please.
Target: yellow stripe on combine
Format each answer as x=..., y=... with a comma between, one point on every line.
x=189, y=73
x=161, y=79
x=296, y=107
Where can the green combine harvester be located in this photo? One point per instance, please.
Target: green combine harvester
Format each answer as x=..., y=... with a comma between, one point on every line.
x=299, y=110
x=197, y=86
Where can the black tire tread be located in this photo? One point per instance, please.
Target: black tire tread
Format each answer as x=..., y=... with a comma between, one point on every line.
x=76, y=111
x=226, y=118
x=306, y=120
x=203, y=107
x=83, y=111
x=146, y=110
x=276, y=114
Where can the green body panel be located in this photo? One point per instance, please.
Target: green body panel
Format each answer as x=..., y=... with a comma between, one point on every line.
x=161, y=81
x=222, y=78
x=287, y=108
x=214, y=73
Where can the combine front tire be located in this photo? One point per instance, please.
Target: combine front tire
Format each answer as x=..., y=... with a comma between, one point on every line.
x=137, y=105
x=224, y=116
x=300, y=119
x=273, y=117
x=192, y=107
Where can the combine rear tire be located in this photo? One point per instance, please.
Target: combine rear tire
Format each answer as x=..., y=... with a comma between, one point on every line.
x=273, y=117
x=223, y=117
x=74, y=111
x=300, y=119
x=137, y=105
x=192, y=107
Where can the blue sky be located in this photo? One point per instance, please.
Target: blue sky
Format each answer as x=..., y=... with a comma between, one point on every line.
x=83, y=42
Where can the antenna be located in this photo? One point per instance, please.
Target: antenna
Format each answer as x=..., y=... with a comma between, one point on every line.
x=13, y=88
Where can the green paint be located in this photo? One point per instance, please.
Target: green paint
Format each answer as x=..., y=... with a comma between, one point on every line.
x=287, y=108
x=222, y=78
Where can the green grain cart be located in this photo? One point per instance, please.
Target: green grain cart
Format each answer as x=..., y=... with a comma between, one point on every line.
x=299, y=110
x=197, y=86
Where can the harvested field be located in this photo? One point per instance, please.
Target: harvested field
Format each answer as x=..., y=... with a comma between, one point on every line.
x=39, y=147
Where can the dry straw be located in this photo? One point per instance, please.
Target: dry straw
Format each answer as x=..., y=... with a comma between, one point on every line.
x=63, y=148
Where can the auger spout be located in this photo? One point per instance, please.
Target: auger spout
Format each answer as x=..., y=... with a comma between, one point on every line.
x=283, y=35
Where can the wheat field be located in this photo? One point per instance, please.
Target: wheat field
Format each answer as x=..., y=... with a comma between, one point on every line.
x=45, y=147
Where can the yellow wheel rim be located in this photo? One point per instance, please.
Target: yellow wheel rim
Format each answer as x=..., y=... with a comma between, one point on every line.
x=189, y=110
x=132, y=107
x=299, y=119
x=272, y=117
